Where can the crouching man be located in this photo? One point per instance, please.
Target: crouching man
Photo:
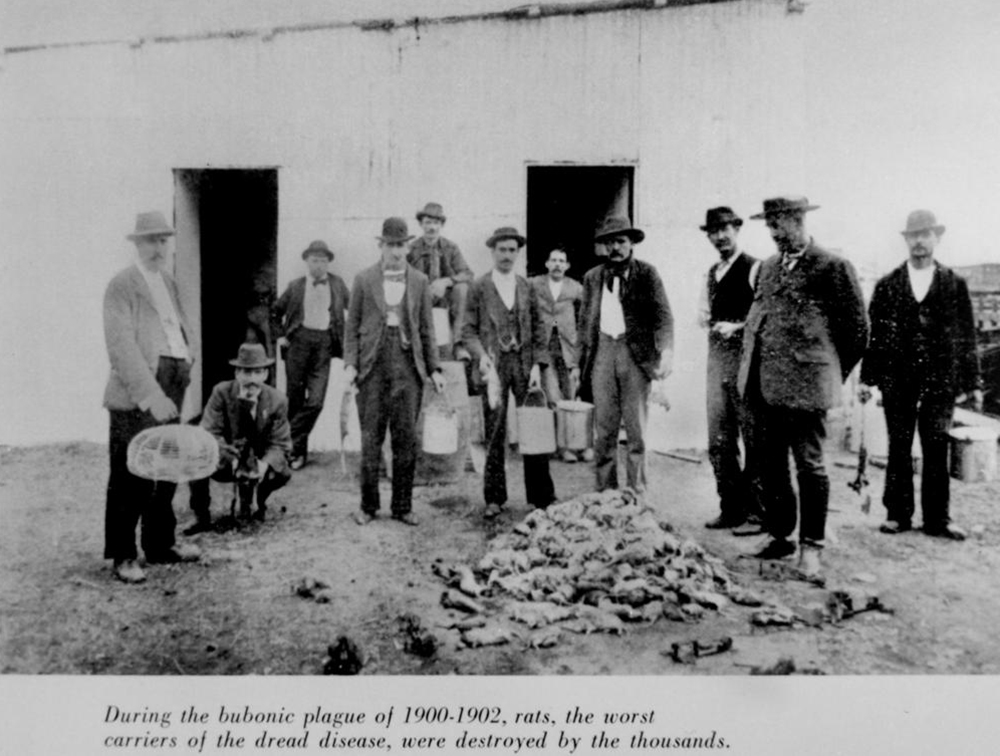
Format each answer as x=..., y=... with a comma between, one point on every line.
x=249, y=419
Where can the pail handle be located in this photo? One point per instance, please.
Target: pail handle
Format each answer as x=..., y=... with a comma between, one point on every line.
x=539, y=390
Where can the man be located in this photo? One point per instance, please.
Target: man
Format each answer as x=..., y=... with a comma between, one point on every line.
x=559, y=299
x=311, y=323
x=441, y=261
x=628, y=341
x=390, y=354
x=923, y=358
x=805, y=332
x=503, y=332
x=149, y=345
x=249, y=419
x=726, y=298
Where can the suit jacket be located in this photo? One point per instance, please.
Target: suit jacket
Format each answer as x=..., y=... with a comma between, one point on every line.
x=271, y=439
x=805, y=332
x=952, y=361
x=453, y=264
x=366, y=322
x=649, y=324
x=560, y=314
x=135, y=338
x=289, y=310
x=484, y=312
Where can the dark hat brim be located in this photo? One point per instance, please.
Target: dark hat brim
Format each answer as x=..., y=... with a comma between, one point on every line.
x=634, y=234
x=786, y=211
x=395, y=238
x=722, y=224
x=145, y=234
x=521, y=241
x=268, y=361
x=938, y=229
x=307, y=252
x=421, y=215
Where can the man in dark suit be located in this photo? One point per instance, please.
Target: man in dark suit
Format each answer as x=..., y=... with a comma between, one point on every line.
x=150, y=346
x=627, y=331
x=559, y=299
x=923, y=358
x=249, y=419
x=503, y=332
x=311, y=324
x=442, y=262
x=390, y=353
x=726, y=298
x=805, y=332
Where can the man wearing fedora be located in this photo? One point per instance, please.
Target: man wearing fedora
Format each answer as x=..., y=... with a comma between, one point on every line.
x=805, y=332
x=311, y=321
x=725, y=301
x=922, y=356
x=150, y=346
x=390, y=353
x=442, y=262
x=503, y=332
x=249, y=419
x=627, y=332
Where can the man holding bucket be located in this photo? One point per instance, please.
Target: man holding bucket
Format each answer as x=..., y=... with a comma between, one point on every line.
x=559, y=300
x=390, y=351
x=628, y=341
x=922, y=356
x=504, y=335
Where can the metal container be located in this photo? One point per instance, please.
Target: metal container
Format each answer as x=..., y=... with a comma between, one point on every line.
x=574, y=425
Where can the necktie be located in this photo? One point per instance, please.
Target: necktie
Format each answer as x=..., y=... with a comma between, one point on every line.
x=319, y=281
x=611, y=283
x=394, y=275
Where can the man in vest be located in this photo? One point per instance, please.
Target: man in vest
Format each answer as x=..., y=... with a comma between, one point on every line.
x=503, y=332
x=627, y=331
x=149, y=345
x=441, y=261
x=726, y=298
x=923, y=357
x=311, y=323
x=805, y=332
x=390, y=352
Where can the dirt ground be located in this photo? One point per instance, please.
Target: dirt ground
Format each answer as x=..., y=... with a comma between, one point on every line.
x=236, y=612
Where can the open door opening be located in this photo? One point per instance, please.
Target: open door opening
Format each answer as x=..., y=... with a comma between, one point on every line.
x=227, y=235
x=566, y=205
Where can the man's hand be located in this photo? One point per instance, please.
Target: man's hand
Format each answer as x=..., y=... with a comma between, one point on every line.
x=977, y=400
x=574, y=382
x=535, y=377
x=440, y=287
x=350, y=374
x=727, y=330
x=485, y=363
x=438, y=378
x=261, y=468
x=282, y=342
x=666, y=366
x=864, y=393
x=162, y=408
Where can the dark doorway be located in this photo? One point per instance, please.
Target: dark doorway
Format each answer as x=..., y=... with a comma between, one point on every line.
x=566, y=204
x=228, y=221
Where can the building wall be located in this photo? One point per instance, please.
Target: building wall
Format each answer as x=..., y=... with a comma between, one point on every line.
x=712, y=103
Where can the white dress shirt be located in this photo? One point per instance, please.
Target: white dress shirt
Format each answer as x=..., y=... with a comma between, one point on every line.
x=506, y=284
x=316, y=304
x=920, y=280
x=704, y=306
x=393, y=289
x=612, y=316
x=169, y=319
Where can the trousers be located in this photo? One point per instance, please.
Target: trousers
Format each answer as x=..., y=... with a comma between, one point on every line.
x=621, y=396
x=307, y=369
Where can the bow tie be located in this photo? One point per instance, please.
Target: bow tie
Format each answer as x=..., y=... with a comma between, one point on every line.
x=394, y=275
x=610, y=281
x=319, y=281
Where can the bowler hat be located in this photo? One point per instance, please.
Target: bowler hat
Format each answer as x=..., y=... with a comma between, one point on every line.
x=506, y=232
x=619, y=227
x=789, y=203
x=394, y=230
x=431, y=210
x=150, y=224
x=921, y=220
x=719, y=217
x=252, y=357
x=317, y=247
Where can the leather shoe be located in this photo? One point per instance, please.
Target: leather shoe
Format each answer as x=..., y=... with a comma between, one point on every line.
x=363, y=518
x=776, y=548
x=407, y=518
x=568, y=456
x=587, y=456
x=181, y=552
x=723, y=523
x=749, y=528
x=297, y=463
x=129, y=571
x=893, y=527
x=949, y=531
x=201, y=525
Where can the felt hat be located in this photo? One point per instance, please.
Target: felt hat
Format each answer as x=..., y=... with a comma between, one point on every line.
x=252, y=357
x=317, y=247
x=150, y=224
x=394, y=230
x=719, y=217
x=619, y=227
x=922, y=220
x=431, y=210
x=506, y=232
x=784, y=205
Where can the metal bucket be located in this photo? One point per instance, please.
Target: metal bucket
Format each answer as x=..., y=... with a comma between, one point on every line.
x=440, y=434
x=973, y=453
x=574, y=425
x=536, y=426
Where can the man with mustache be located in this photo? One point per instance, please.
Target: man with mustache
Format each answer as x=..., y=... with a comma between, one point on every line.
x=150, y=347
x=726, y=298
x=249, y=419
x=805, y=332
x=923, y=357
x=627, y=333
